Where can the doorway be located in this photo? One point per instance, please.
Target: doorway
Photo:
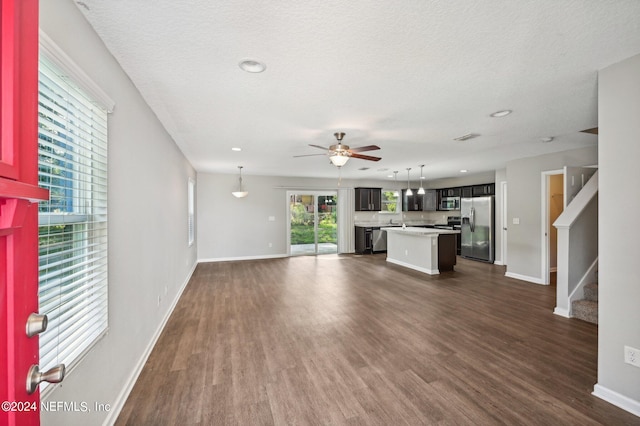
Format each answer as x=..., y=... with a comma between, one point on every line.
x=552, y=206
x=313, y=225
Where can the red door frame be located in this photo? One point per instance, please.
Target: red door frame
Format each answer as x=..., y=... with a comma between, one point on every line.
x=19, y=194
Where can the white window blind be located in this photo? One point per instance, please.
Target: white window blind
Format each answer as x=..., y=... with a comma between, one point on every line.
x=72, y=139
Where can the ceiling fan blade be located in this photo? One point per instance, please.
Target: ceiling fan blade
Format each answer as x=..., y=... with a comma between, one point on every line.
x=365, y=157
x=593, y=131
x=365, y=148
x=318, y=146
x=308, y=155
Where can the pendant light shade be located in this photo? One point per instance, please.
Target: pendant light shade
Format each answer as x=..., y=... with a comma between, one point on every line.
x=421, y=190
x=409, y=191
x=240, y=192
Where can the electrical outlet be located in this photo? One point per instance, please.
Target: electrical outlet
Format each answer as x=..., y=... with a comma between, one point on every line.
x=270, y=245
x=632, y=356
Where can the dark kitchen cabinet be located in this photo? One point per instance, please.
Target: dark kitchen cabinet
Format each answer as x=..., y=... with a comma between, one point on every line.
x=479, y=190
x=449, y=192
x=430, y=200
x=368, y=199
x=364, y=243
x=486, y=189
x=411, y=203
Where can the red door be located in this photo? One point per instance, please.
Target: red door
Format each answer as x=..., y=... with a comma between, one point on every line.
x=19, y=194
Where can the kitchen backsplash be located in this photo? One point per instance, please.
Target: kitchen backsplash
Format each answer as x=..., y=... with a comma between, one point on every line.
x=407, y=217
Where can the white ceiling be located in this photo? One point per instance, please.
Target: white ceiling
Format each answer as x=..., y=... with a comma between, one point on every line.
x=409, y=76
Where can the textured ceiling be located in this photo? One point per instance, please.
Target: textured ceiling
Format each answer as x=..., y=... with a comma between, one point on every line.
x=409, y=76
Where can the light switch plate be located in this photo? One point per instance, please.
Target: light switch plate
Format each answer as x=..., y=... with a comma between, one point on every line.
x=516, y=221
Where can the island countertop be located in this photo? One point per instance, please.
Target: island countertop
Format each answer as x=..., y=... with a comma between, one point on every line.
x=413, y=230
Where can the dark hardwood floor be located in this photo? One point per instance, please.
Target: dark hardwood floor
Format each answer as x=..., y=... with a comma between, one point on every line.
x=352, y=340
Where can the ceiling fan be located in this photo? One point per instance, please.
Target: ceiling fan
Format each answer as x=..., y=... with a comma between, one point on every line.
x=339, y=153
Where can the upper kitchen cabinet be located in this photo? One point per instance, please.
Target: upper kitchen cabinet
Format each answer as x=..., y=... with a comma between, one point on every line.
x=411, y=203
x=479, y=190
x=430, y=200
x=486, y=189
x=368, y=199
x=449, y=192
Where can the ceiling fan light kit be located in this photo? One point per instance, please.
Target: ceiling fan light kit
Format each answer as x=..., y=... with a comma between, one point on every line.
x=339, y=159
x=241, y=191
x=339, y=153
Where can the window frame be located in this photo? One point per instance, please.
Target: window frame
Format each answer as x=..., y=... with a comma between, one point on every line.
x=385, y=202
x=83, y=211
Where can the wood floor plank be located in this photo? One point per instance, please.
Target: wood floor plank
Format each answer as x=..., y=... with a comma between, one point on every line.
x=353, y=340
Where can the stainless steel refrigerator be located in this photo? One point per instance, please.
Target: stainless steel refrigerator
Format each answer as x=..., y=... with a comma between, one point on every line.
x=477, y=230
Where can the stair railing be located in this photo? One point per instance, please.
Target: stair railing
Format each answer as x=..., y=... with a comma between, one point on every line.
x=577, y=246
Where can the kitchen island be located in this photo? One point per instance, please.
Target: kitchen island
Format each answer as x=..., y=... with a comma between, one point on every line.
x=423, y=249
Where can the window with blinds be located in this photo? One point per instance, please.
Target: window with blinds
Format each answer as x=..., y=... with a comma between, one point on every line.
x=72, y=138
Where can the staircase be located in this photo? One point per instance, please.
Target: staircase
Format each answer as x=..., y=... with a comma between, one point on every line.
x=587, y=309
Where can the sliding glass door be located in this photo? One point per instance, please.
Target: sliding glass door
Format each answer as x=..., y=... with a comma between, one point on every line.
x=313, y=227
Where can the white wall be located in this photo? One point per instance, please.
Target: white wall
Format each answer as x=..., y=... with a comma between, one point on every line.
x=239, y=228
x=524, y=198
x=148, y=253
x=232, y=228
x=619, y=297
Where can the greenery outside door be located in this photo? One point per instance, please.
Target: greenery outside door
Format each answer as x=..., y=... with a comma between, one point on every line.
x=313, y=227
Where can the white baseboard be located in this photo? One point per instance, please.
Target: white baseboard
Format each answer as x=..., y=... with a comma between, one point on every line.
x=230, y=259
x=553, y=269
x=498, y=262
x=617, y=399
x=414, y=267
x=119, y=402
x=561, y=312
x=534, y=280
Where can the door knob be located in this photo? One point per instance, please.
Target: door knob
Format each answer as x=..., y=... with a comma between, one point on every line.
x=36, y=324
x=35, y=377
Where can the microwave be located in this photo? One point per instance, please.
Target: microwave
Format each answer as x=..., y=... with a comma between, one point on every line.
x=450, y=203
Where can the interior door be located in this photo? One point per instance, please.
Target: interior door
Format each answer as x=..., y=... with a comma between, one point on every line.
x=19, y=194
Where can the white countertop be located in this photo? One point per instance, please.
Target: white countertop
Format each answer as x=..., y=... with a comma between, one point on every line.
x=411, y=230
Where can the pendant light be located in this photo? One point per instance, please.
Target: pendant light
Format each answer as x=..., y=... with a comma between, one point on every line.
x=241, y=192
x=409, y=191
x=421, y=190
x=396, y=193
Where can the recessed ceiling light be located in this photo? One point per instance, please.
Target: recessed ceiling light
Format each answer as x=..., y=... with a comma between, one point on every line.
x=463, y=171
x=253, y=66
x=547, y=139
x=502, y=113
x=236, y=149
x=389, y=176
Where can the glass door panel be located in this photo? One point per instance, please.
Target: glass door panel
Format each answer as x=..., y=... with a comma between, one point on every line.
x=327, y=224
x=313, y=224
